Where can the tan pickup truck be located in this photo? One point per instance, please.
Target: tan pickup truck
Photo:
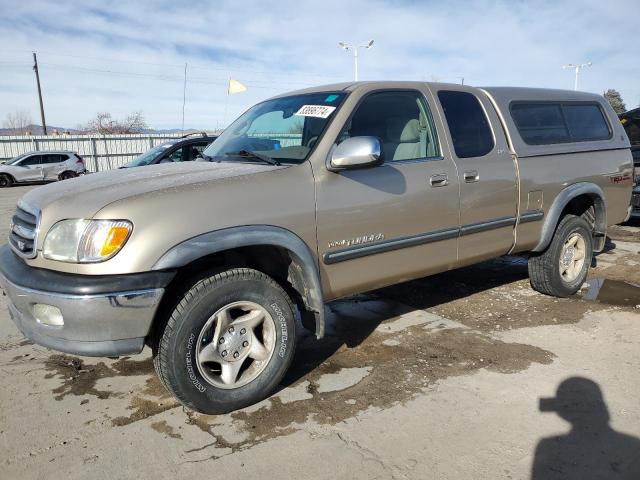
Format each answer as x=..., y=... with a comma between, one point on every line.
x=308, y=197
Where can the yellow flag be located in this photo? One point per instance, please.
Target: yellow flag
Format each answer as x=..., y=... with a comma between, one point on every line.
x=235, y=87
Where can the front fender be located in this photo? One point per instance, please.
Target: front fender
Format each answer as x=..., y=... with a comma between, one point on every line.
x=253, y=235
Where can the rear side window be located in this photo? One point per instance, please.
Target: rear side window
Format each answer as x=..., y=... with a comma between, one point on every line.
x=540, y=123
x=54, y=158
x=468, y=124
x=550, y=123
x=586, y=122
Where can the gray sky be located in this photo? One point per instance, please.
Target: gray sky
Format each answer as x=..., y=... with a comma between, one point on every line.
x=129, y=56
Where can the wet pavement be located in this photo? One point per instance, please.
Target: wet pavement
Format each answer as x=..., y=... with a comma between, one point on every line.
x=480, y=334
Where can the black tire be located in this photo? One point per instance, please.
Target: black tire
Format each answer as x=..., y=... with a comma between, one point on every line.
x=5, y=181
x=67, y=175
x=544, y=269
x=175, y=351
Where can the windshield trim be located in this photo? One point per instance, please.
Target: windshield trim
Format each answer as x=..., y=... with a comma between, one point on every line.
x=345, y=95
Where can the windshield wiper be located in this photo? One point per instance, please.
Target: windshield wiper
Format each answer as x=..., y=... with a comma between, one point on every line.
x=255, y=155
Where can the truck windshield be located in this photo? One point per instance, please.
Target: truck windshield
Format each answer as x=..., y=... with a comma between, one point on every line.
x=284, y=129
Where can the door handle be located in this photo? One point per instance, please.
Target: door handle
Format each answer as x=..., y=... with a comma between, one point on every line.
x=471, y=176
x=439, y=180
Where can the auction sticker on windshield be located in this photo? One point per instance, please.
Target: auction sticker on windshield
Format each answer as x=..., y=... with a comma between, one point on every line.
x=319, y=111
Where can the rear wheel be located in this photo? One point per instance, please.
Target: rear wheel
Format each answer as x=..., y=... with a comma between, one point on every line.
x=228, y=342
x=562, y=269
x=5, y=181
x=67, y=175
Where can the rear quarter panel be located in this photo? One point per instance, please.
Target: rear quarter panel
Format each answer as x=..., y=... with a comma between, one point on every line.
x=550, y=174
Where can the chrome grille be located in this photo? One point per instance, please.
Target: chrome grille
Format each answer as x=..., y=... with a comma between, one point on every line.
x=24, y=230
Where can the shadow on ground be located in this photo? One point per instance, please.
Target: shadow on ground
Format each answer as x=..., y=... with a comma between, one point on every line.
x=591, y=449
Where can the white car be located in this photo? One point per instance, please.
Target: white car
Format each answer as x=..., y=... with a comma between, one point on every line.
x=41, y=167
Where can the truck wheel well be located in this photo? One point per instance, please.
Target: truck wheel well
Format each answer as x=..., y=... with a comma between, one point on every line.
x=584, y=199
x=277, y=262
x=582, y=206
x=592, y=209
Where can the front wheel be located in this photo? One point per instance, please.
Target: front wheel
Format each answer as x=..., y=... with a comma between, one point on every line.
x=562, y=269
x=5, y=181
x=228, y=342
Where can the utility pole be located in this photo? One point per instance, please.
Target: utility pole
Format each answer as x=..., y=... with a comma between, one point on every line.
x=35, y=69
x=577, y=68
x=184, y=95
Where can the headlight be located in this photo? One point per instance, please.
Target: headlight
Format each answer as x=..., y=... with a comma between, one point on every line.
x=86, y=241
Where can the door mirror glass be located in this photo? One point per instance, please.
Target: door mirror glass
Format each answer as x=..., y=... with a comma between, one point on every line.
x=357, y=152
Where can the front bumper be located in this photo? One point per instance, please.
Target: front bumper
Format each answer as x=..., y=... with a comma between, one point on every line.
x=99, y=319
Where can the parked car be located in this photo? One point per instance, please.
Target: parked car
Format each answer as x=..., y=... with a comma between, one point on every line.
x=184, y=149
x=355, y=186
x=631, y=122
x=35, y=167
x=635, y=201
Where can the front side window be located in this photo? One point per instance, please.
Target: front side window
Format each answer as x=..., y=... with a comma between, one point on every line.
x=402, y=122
x=175, y=156
x=468, y=124
x=195, y=151
x=284, y=129
x=30, y=161
x=548, y=123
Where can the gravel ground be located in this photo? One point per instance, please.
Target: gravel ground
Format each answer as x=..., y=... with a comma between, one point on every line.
x=439, y=378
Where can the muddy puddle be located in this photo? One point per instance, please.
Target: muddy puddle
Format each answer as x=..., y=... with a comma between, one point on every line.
x=80, y=379
x=355, y=369
x=611, y=292
x=378, y=353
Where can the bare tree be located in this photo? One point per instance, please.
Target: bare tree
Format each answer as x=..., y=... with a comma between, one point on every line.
x=18, y=121
x=104, y=124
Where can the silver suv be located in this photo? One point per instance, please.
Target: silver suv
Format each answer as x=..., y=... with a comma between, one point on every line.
x=41, y=167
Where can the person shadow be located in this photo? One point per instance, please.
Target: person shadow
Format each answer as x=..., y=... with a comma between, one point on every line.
x=591, y=449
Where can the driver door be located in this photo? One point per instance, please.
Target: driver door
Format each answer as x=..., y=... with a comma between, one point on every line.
x=31, y=169
x=395, y=222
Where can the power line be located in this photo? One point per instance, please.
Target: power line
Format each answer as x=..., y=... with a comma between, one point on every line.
x=257, y=83
x=233, y=68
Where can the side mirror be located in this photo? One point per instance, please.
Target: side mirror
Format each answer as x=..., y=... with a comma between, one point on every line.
x=357, y=152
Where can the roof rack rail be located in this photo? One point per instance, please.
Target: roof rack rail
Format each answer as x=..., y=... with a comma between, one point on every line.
x=202, y=134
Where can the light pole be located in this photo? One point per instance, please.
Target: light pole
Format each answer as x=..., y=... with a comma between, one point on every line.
x=577, y=69
x=355, y=48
